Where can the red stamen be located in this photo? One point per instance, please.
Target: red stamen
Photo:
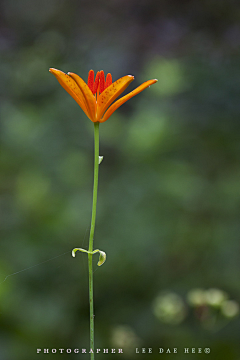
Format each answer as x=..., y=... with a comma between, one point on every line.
x=95, y=86
x=108, y=80
x=91, y=79
x=102, y=81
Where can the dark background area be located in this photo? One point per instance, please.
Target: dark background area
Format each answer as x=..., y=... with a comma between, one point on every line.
x=169, y=192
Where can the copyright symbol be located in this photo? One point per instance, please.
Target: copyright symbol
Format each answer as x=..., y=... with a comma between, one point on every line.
x=207, y=350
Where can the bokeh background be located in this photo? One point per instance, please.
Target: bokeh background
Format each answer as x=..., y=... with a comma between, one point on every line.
x=169, y=193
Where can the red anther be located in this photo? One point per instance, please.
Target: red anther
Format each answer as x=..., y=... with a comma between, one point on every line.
x=108, y=80
x=95, y=86
x=102, y=81
x=91, y=79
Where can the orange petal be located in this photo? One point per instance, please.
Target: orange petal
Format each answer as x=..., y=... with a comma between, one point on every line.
x=125, y=98
x=72, y=88
x=111, y=93
x=87, y=94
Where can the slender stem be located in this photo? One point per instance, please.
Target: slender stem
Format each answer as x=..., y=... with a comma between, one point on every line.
x=94, y=209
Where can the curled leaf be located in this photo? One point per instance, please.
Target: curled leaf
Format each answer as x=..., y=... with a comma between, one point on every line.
x=102, y=254
x=78, y=249
x=102, y=258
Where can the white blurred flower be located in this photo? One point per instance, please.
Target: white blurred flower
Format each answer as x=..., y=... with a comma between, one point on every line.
x=230, y=308
x=196, y=297
x=124, y=337
x=215, y=297
x=169, y=308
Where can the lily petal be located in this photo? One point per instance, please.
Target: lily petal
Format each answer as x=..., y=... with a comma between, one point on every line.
x=88, y=95
x=111, y=93
x=125, y=98
x=72, y=88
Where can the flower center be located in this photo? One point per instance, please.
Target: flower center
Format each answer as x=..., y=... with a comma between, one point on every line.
x=100, y=84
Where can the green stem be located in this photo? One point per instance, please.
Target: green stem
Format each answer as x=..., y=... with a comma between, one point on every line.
x=90, y=249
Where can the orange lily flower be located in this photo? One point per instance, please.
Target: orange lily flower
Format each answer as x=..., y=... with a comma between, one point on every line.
x=97, y=96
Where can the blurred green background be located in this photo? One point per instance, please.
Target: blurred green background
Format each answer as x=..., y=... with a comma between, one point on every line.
x=169, y=193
